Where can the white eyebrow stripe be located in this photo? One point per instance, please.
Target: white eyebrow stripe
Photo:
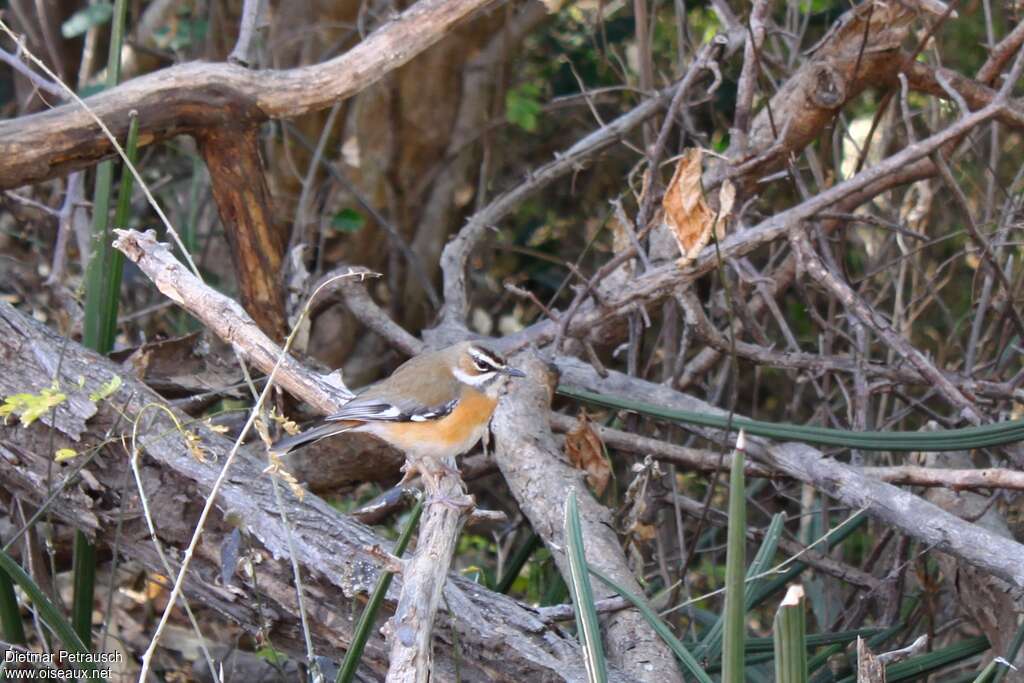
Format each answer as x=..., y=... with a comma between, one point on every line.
x=472, y=380
x=486, y=357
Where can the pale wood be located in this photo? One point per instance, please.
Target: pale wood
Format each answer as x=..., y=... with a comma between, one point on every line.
x=870, y=668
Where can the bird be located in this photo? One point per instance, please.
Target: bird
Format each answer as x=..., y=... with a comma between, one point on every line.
x=434, y=407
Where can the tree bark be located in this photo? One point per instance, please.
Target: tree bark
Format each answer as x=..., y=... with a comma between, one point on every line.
x=541, y=480
x=499, y=638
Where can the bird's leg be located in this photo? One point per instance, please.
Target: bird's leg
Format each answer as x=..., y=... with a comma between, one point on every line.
x=463, y=503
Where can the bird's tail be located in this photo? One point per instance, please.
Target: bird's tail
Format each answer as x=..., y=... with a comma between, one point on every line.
x=320, y=430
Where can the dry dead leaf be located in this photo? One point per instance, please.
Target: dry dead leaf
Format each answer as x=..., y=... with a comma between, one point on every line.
x=686, y=212
x=276, y=467
x=586, y=452
x=194, y=443
x=637, y=515
x=285, y=423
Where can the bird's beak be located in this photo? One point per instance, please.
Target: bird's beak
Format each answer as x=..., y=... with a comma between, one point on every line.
x=513, y=372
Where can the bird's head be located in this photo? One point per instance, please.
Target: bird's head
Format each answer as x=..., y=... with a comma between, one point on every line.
x=481, y=368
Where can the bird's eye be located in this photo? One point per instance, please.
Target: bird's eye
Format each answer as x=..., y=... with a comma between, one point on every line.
x=482, y=367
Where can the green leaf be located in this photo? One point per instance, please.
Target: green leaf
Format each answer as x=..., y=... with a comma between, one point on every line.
x=92, y=89
x=987, y=673
x=271, y=655
x=711, y=644
x=964, y=438
x=522, y=106
x=10, y=612
x=106, y=390
x=733, y=669
x=517, y=561
x=63, y=454
x=348, y=220
x=182, y=33
x=49, y=613
x=790, y=634
x=32, y=406
x=84, y=19
x=659, y=626
x=587, y=624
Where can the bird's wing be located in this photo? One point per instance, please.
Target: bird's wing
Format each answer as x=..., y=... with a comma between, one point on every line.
x=435, y=389
x=378, y=409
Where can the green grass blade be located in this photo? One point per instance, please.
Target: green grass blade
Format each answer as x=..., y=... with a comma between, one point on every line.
x=84, y=582
x=769, y=586
x=818, y=661
x=814, y=640
x=10, y=615
x=998, y=434
x=100, y=298
x=790, y=634
x=660, y=627
x=97, y=303
x=583, y=596
x=710, y=645
x=733, y=665
x=987, y=673
x=350, y=664
x=112, y=282
x=50, y=615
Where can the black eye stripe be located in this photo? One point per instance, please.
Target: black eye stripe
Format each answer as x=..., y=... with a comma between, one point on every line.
x=484, y=361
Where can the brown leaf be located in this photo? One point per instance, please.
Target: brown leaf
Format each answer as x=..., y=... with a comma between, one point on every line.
x=637, y=516
x=687, y=213
x=586, y=452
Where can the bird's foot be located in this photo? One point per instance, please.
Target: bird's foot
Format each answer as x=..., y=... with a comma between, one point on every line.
x=409, y=472
x=448, y=468
x=463, y=503
x=434, y=472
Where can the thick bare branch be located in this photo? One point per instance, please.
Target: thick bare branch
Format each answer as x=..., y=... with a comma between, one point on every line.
x=227, y=320
x=197, y=95
x=907, y=512
x=411, y=631
x=541, y=479
x=660, y=281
